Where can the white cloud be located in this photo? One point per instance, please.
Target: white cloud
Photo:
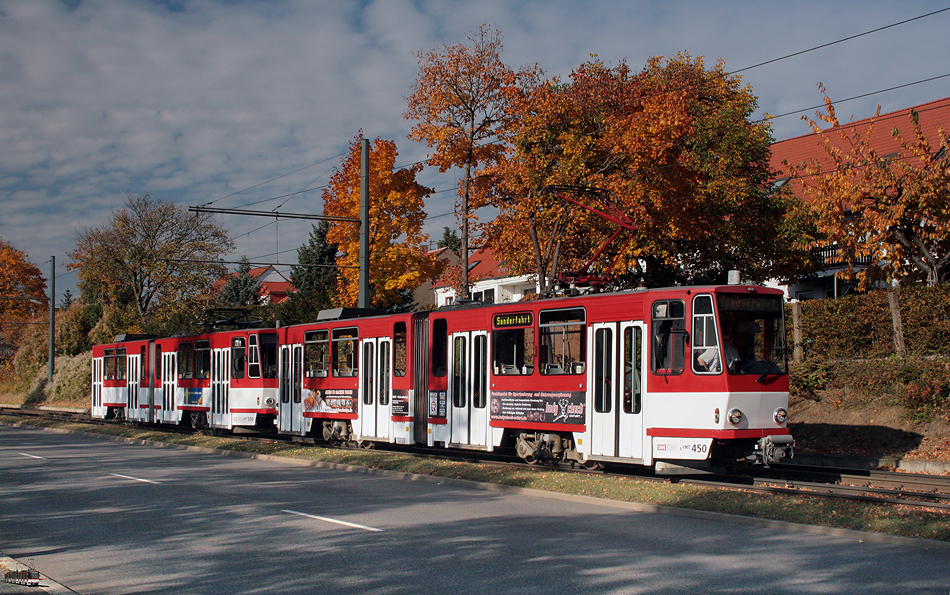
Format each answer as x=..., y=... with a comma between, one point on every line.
x=196, y=102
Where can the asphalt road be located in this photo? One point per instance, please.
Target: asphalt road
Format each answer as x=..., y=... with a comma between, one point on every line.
x=106, y=517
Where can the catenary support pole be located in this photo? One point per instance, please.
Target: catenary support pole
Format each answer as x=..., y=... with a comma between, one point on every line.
x=52, y=314
x=363, y=300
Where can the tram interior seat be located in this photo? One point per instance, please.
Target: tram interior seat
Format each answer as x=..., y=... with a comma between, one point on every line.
x=553, y=369
x=577, y=367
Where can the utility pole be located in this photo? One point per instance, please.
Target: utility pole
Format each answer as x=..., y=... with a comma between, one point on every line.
x=52, y=314
x=363, y=300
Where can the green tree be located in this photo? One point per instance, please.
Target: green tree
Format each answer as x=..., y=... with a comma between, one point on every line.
x=151, y=255
x=314, y=278
x=241, y=288
x=450, y=240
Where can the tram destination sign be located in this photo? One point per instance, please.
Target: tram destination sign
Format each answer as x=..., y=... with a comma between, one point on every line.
x=749, y=303
x=517, y=319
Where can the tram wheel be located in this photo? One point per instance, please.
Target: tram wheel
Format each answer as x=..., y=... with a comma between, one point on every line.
x=591, y=465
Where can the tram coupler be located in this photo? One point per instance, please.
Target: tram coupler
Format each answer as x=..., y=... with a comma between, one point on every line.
x=775, y=449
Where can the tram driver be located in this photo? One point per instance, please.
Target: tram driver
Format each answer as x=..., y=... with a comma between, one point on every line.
x=709, y=359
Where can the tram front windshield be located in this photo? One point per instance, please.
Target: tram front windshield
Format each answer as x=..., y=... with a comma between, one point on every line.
x=753, y=333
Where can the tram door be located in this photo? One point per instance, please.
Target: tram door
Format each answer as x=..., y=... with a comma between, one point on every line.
x=468, y=388
x=376, y=388
x=289, y=390
x=135, y=376
x=617, y=389
x=169, y=373
x=220, y=385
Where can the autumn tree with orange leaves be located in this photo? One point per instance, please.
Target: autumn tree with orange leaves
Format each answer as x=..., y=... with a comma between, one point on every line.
x=22, y=293
x=675, y=147
x=461, y=100
x=397, y=247
x=891, y=211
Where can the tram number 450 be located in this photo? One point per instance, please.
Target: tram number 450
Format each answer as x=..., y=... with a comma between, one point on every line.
x=681, y=448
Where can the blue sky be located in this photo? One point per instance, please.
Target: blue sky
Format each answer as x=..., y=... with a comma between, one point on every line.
x=194, y=101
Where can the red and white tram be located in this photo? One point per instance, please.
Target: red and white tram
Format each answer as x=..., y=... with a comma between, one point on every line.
x=673, y=378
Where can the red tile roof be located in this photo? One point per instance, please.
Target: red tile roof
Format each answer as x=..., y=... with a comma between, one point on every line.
x=483, y=264
x=808, y=148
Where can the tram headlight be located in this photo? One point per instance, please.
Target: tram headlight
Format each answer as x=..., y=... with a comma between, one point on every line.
x=780, y=416
x=270, y=402
x=734, y=416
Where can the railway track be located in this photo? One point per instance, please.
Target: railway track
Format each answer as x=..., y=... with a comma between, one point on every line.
x=920, y=491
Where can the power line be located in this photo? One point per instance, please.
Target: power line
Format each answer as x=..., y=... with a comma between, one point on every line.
x=824, y=45
x=274, y=179
x=933, y=78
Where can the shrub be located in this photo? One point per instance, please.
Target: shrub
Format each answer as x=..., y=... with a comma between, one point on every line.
x=72, y=381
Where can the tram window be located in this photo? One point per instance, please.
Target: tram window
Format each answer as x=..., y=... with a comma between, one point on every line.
x=705, y=344
x=186, y=360
x=400, y=350
x=480, y=380
x=345, y=352
x=253, y=358
x=632, y=364
x=316, y=354
x=202, y=359
x=513, y=351
x=143, y=358
x=120, y=363
x=669, y=337
x=238, y=355
x=158, y=364
x=108, y=364
x=384, y=373
x=459, y=369
x=562, y=340
x=603, y=369
x=440, y=347
x=268, y=342
x=368, y=375
x=753, y=333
